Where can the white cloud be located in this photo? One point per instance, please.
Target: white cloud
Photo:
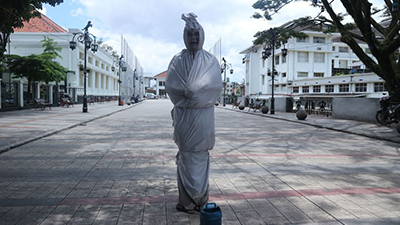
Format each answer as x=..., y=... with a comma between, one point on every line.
x=43, y=10
x=77, y=12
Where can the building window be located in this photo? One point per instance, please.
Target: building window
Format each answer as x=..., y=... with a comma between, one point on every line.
x=263, y=80
x=329, y=88
x=302, y=56
x=319, y=39
x=343, y=64
x=302, y=74
x=344, y=88
x=361, y=87
x=277, y=60
x=379, y=87
x=343, y=49
x=283, y=59
x=319, y=57
x=295, y=89
x=161, y=83
x=302, y=40
x=317, y=89
x=318, y=74
x=333, y=48
x=263, y=63
x=306, y=89
x=283, y=74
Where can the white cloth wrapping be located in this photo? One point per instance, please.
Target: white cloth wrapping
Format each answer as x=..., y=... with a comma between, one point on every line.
x=193, y=84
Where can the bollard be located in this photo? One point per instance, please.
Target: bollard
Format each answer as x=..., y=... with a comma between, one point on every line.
x=210, y=214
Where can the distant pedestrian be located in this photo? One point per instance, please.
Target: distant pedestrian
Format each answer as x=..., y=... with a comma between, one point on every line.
x=193, y=84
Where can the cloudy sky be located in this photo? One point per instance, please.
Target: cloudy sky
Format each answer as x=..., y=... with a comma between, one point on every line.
x=153, y=28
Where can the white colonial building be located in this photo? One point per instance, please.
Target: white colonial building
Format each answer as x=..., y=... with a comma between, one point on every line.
x=319, y=65
x=102, y=80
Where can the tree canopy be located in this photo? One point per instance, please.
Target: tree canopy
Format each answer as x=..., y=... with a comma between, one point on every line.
x=14, y=12
x=382, y=37
x=40, y=68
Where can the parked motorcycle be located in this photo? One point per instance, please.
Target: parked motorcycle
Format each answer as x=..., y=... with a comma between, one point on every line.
x=389, y=111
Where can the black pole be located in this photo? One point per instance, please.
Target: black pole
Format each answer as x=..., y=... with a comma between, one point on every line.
x=224, y=83
x=85, y=107
x=119, y=85
x=65, y=84
x=273, y=73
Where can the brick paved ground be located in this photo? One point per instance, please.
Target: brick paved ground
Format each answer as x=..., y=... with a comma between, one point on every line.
x=120, y=169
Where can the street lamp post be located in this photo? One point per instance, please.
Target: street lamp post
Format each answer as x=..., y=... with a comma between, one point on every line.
x=121, y=67
x=265, y=54
x=134, y=84
x=224, y=67
x=89, y=43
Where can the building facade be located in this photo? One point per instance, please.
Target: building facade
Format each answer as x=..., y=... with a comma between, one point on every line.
x=160, y=84
x=102, y=78
x=319, y=65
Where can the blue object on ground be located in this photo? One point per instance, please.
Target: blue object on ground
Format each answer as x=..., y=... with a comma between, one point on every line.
x=210, y=214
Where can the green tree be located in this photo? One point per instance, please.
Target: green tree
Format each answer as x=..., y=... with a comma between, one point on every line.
x=38, y=68
x=382, y=38
x=14, y=12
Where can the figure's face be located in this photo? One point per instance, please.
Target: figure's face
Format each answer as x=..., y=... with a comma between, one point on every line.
x=193, y=37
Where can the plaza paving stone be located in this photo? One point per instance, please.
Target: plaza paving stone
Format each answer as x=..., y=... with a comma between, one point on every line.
x=116, y=165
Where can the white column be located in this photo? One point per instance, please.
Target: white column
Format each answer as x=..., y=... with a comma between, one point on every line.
x=50, y=93
x=37, y=93
x=0, y=93
x=20, y=93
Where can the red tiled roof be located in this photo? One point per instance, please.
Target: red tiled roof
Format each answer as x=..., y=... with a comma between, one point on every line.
x=41, y=25
x=163, y=74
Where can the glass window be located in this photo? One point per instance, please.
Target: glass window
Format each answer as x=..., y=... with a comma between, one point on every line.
x=317, y=89
x=283, y=74
x=329, y=88
x=302, y=56
x=277, y=60
x=302, y=40
x=361, y=87
x=306, y=89
x=319, y=39
x=302, y=74
x=379, y=87
x=283, y=59
x=319, y=57
x=318, y=74
x=295, y=89
x=343, y=49
x=344, y=88
x=333, y=48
